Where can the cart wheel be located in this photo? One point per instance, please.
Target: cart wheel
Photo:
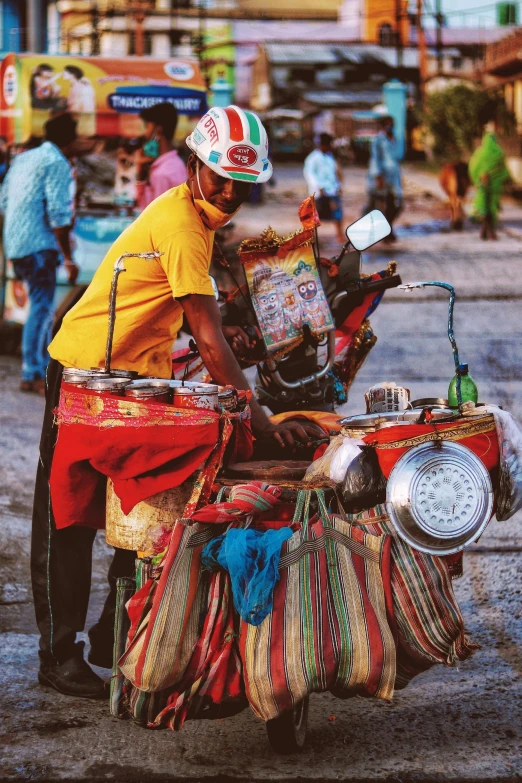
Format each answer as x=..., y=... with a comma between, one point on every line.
x=287, y=733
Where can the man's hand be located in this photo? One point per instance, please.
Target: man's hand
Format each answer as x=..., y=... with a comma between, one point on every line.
x=72, y=270
x=290, y=433
x=237, y=339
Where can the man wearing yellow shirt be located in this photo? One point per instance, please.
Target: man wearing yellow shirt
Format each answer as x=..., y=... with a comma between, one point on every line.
x=229, y=152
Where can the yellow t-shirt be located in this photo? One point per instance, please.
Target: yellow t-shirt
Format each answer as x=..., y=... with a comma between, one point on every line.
x=148, y=317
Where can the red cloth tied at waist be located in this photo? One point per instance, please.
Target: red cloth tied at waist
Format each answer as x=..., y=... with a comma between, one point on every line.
x=478, y=434
x=144, y=448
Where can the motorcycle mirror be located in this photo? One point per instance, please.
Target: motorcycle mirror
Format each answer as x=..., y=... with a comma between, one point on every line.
x=215, y=288
x=368, y=230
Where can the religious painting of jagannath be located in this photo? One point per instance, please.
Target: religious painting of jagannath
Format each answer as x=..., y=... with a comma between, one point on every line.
x=286, y=293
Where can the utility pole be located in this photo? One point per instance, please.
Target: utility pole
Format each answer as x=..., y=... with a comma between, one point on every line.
x=398, y=32
x=421, y=43
x=95, y=35
x=440, y=19
x=139, y=31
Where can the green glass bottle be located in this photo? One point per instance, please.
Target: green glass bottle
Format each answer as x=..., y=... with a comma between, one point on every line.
x=468, y=388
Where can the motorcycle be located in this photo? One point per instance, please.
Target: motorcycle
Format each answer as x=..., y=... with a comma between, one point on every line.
x=316, y=372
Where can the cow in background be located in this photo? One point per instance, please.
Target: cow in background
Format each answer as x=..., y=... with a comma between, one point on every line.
x=454, y=180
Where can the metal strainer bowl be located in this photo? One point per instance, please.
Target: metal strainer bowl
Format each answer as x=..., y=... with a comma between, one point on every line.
x=439, y=497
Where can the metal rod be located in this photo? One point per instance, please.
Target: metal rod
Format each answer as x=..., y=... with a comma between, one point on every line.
x=119, y=267
x=451, y=336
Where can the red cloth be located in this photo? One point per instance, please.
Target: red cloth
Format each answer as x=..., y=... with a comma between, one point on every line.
x=144, y=448
x=213, y=674
x=392, y=442
x=141, y=462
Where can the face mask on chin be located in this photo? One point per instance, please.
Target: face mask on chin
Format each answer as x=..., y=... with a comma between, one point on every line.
x=211, y=216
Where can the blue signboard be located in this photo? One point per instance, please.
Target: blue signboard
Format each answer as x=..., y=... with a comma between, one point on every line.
x=132, y=100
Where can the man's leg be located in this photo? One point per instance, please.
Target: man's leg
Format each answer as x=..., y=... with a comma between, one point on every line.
x=39, y=272
x=101, y=635
x=60, y=573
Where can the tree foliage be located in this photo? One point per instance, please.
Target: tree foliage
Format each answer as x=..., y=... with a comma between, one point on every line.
x=454, y=118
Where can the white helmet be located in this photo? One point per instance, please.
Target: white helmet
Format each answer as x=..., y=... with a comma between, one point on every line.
x=233, y=143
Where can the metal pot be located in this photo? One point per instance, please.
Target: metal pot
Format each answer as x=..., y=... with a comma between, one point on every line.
x=196, y=397
x=158, y=391
x=108, y=385
x=81, y=378
x=439, y=497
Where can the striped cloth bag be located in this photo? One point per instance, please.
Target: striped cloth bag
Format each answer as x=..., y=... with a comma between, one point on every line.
x=328, y=629
x=161, y=645
x=429, y=622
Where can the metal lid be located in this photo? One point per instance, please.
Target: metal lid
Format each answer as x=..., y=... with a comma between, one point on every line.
x=132, y=374
x=146, y=391
x=108, y=384
x=196, y=391
x=430, y=402
x=439, y=497
x=68, y=372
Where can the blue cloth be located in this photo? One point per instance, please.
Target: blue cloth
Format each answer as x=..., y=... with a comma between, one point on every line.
x=251, y=557
x=39, y=272
x=384, y=162
x=37, y=195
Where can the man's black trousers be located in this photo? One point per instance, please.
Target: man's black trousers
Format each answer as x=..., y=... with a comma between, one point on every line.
x=61, y=560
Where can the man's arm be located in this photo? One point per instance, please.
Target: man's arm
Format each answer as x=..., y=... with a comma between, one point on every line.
x=60, y=210
x=205, y=322
x=63, y=237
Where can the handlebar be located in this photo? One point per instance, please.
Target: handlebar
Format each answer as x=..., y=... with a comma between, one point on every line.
x=316, y=376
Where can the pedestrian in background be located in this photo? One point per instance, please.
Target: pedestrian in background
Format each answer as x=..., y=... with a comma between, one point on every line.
x=489, y=174
x=324, y=179
x=37, y=200
x=384, y=174
x=160, y=168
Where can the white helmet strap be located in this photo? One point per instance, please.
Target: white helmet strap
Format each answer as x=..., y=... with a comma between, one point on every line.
x=199, y=183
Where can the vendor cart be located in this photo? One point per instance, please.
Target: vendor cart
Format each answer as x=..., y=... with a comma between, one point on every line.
x=105, y=95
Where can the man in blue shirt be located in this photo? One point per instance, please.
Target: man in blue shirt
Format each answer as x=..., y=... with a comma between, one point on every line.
x=384, y=174
x=37, y=199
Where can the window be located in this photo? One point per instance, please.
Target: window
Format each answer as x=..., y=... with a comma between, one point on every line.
x=386, y=35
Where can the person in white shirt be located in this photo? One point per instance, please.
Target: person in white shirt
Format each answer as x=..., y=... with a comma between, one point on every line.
x=323, y=177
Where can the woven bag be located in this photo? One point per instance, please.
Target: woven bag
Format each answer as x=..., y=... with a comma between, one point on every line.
x=430, y=626
x=328, y=629
x=162, y=645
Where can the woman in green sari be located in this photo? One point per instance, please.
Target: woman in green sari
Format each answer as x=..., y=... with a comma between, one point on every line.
x=489, y=173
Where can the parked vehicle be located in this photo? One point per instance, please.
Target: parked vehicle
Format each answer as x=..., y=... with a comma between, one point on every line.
x=317, y=373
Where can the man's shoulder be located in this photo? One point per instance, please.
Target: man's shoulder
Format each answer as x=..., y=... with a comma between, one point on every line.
x=171, y=213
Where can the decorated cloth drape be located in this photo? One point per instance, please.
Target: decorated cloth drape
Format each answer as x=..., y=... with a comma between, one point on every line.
x=478, y=434
x=144, y=448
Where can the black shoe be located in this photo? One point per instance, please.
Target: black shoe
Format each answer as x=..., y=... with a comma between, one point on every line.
x=100, y=657
x=74, y=678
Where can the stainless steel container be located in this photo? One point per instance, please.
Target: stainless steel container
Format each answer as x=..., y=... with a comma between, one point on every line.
x=196, y=397
x=108, y=385
x=386, y=397
x=439, y=497
x=154, y=390
x=81, y=378
x=227, y=398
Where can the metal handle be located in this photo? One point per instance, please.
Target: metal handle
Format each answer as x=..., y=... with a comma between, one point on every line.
x=330, y=359
x=119, y=267
x=451, y=336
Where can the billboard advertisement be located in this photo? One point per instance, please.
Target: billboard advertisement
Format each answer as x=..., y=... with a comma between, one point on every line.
x=105, y=95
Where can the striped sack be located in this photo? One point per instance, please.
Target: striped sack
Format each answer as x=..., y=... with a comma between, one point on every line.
x=328, y=629
x=429, y=622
